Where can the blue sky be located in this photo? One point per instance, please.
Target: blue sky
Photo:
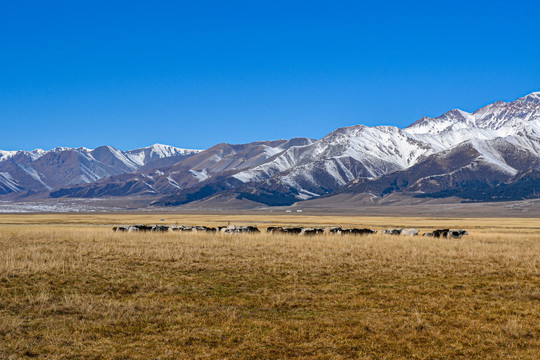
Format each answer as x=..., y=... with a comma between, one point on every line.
x=196, y=73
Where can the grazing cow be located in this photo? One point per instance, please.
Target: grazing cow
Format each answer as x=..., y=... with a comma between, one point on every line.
x=355, y=231
x=311, y=231
x=180, y=228
x=123, y=228
x=292, y=230
x=447, y=233
x=392, y=231
x=274, y=229
x=252, y=229
x=240, y=229
x=333, y=230
x=441, y=233
x=227, y=229
x=457, y=234
x=200, y=228
x=409, y=232
x=141, y=227
x=159, y=228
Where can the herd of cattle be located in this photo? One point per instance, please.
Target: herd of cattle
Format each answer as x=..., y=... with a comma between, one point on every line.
x=443, y=233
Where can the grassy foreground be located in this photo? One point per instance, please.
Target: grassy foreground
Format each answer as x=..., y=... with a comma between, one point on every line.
x=78, y=291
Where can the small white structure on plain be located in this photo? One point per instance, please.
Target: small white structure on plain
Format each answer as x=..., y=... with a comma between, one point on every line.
x=298, y=210
x=288, y=210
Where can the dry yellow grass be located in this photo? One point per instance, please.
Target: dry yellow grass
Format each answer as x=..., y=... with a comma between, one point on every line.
x=79, y=291
x=497, y=225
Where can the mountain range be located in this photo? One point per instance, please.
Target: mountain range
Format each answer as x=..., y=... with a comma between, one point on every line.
x=492, y=154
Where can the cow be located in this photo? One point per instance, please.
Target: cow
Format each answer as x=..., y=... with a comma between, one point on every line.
x=240, y=229
x=141, y=227
x=274, y=229
x=227, y=229
x=311, y=231
x=409, y=232
x=253, y=229
x=333, y=230
x=187, y=228
x=355, y=231
x=159, y=228
x=292, y=230
x=122, y=228
x=392, y=231
x=457, y=234
x=447, y=233
x=441, y=233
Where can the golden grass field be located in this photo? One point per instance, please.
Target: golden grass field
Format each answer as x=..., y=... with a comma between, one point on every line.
x=70, y=288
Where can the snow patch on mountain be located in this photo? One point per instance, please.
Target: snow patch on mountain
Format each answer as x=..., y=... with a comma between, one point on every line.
x=34, y=174
x=492, y=156
x=4, y=155
x=8, y=181
x=200, y=175
x=157, y=151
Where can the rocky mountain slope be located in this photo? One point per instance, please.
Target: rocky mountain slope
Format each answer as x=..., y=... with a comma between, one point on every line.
x=29, y=172
x=470, y=155
x=495, y=145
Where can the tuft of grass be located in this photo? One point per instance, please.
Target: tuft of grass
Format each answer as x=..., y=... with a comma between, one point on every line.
x=81, y=291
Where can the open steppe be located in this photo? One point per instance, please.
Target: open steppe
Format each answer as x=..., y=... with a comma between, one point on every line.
x=70, y=288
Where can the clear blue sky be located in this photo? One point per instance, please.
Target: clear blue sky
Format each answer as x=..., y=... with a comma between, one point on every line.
x=196, y=73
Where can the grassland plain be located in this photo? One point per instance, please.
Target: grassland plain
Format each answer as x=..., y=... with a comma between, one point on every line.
x=70, y=288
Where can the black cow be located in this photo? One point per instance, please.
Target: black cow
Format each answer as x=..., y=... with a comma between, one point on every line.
x=441, y=233
x=252, y=229
x=141, y=227
x=311, y=231
x=293, y=230
x=355, y=231
x=159, y=228
x=447, y=233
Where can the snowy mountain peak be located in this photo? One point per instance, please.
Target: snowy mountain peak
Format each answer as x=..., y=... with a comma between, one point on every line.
x=450, y=121
x=500, y=140
x=457, y=114
x=40, y=170
x=4, y=155
x=168, y=150
x=532, y=97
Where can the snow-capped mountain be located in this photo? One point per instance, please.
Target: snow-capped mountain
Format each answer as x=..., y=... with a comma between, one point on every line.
x=505, y=138
x=496, y=145
x=370, y=152
x=40, y=170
